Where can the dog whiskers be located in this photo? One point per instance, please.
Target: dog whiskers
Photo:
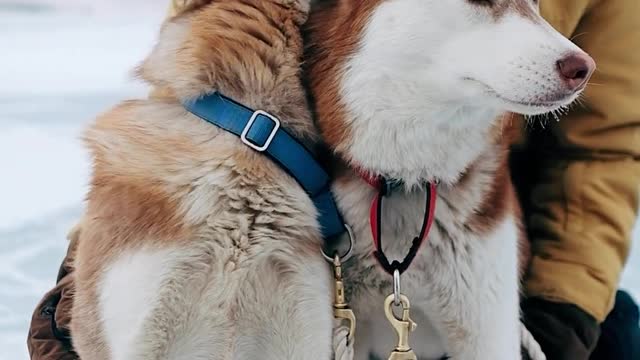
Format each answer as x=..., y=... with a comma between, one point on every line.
x=597, y=84
x=577, y=35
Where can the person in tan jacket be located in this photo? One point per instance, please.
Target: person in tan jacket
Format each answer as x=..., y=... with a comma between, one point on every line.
x=578, y=181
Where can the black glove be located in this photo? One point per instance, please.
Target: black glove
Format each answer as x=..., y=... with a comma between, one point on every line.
x=620, y=339
x=564, y=331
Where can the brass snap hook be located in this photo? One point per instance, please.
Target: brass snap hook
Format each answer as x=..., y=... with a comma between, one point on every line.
x=402, y=326
x=341, y=310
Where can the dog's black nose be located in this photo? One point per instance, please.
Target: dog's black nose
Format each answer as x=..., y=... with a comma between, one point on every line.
x=576, y=69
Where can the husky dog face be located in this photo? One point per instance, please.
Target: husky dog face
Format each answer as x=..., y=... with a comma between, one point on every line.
x=400, y=85
x=497, y=53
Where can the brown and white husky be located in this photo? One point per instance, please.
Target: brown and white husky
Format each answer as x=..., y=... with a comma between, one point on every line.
x=195, y=246
x=414, y=90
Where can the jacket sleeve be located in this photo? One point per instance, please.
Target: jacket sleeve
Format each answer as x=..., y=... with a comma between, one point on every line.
x=49, y=337
x=585, y=174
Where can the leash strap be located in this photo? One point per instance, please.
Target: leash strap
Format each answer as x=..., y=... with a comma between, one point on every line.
x=262, y=132
x=385, y=188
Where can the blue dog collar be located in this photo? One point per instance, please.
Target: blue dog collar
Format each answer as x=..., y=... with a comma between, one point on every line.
x=262, y=132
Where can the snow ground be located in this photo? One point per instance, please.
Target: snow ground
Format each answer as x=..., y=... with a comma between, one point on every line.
x=61, y=63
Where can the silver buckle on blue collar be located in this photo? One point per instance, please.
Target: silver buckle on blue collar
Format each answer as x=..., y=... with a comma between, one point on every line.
x=254, y=117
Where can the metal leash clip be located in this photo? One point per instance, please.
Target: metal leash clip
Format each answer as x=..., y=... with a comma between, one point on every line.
x=341, y=310
x=403, y=326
